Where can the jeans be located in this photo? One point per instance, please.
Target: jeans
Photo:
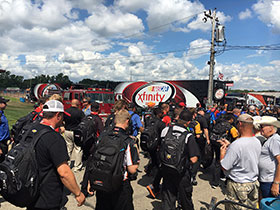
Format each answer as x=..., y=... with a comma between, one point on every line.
x=266, y=189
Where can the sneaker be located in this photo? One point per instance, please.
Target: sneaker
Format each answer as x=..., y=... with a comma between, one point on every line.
x=214, y=186
x=151, y=190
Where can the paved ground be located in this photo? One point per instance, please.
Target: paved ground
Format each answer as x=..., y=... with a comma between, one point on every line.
x=202, y=194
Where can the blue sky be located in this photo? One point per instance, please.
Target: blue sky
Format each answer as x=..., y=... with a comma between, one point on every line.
x=140, y=39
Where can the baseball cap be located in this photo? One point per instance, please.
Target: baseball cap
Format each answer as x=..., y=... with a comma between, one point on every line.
x=3, y=100
x=53, y=106
x=182, y=104
x=245, y=118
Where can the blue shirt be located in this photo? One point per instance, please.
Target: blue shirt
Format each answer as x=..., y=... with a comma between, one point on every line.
x=4, y=127
x=87, y=111
x=136, y=123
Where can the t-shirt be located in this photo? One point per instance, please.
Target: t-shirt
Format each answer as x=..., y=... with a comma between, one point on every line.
x=51, y=152
x=268, y=162
x=71, y=122
x=166, y=119
x=191, y=147
x=242, y=159
x=136, y=123
x=4, y=127
x=202, y=121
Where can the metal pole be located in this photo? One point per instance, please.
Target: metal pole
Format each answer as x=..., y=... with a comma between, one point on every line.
x=212, y=60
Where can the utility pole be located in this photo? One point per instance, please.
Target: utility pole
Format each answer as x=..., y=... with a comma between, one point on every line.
x=212, y=54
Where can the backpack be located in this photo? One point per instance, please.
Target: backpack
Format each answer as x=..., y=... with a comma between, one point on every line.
x=105, y=164
x=110, y=122
x=172, y=151
x=19, y=175
x=149, y=137
x=220, y=130
x=23, y=121
x=85, y=135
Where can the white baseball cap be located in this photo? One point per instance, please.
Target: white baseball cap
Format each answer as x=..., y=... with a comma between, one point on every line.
x=53, y=106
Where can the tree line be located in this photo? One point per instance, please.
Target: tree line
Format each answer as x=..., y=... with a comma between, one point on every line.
x=11, y=80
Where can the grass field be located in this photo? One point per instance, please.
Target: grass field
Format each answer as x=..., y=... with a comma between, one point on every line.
x=16, y=109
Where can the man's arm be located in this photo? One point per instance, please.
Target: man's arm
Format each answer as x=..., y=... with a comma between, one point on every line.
x=206, y=133
x=223, y=151
x=68, y=179
x=276, y=181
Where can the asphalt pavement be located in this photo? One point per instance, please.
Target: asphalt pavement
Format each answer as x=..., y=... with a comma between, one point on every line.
x=202, y=193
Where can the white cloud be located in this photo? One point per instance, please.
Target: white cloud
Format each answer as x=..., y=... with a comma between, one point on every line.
x=198, y=48
x=198, y=24
x=245, y=14
x=165, y=11
x=132, y=5
x=268, y=12
x=251, y=76
x=112, y=22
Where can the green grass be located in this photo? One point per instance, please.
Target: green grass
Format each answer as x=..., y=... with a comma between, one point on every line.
x=16, y=109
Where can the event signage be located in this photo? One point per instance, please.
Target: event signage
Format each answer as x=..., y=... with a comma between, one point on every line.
x=153, y=92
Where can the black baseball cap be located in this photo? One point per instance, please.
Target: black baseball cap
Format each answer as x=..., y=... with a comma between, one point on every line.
x=3, y=100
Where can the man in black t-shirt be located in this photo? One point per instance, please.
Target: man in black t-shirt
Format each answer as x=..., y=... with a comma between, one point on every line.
x=52, y=157
x=71, y=123
x=204, y=138
x=177, y=185
x=122, y=199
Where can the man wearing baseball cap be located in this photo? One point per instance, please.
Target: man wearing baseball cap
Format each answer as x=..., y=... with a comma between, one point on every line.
x=4, y=129
x=270, y=157
x=240, y=162
x=52, y=157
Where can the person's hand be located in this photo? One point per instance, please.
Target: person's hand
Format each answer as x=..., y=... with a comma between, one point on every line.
x=275, y=189
x=1, y=152
x=80, y=199
x=88, y=190
x=62, y=129
x=208, y=141
x=224, y=142
x=223, y=150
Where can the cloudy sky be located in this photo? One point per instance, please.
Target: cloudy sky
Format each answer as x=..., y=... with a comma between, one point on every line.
x=135, y=40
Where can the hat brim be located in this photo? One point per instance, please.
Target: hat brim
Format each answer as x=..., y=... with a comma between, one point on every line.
x=266, y=121
x=4, y=100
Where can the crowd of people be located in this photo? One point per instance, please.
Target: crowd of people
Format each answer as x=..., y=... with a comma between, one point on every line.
x=244, y=145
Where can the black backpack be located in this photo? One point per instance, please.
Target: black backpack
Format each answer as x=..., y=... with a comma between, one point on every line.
x=85, y=135
x=110, y=122
x=19, y=178
x=24, y=121
x=149, y=139
x=172, y=151
x=220, y=130
x=105, y=165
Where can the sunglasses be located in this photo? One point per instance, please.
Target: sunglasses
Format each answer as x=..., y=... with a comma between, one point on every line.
x=84, y=101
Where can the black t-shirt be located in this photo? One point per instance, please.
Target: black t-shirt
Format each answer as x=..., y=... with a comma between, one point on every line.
x=71, y=122
x=99, y=124
x=202, y=121
x=51, y=152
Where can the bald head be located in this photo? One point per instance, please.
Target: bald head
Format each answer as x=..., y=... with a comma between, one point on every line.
x=75, y=103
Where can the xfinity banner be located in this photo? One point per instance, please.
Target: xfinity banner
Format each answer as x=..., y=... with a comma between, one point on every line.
x=153, y=92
